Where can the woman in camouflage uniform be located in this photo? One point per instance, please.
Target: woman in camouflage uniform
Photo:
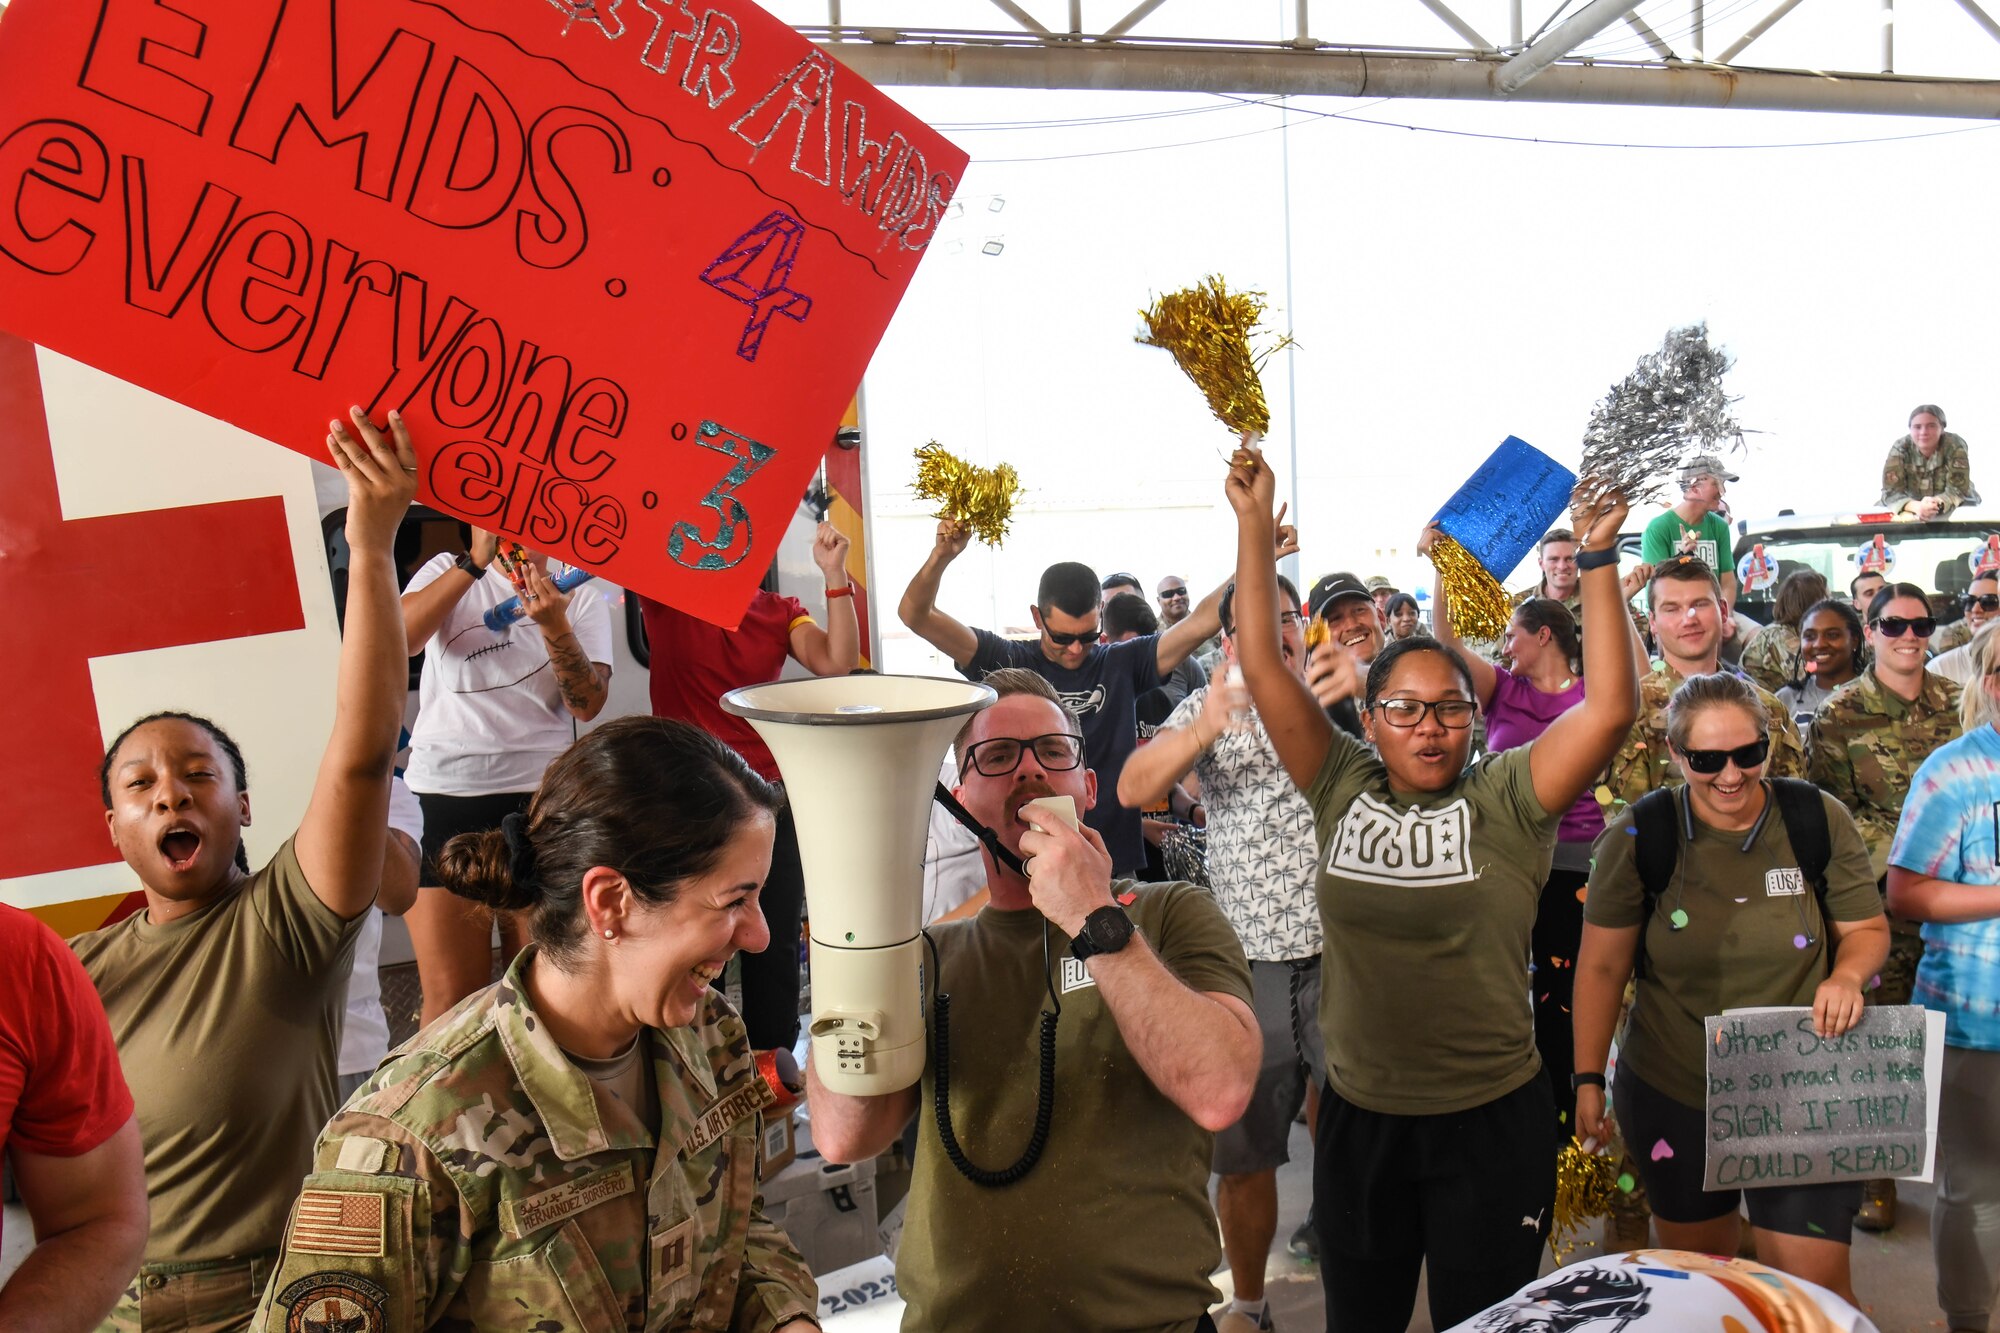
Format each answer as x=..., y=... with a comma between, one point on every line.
x=1772, y=652
x=575, y=1147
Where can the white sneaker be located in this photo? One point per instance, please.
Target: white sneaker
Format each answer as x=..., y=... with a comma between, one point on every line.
x=1233, y=1322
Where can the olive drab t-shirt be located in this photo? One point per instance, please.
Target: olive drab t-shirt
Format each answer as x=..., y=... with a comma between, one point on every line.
x=1747, y=913
x=1112, y=1228
x=228, y=1027
x=1428, y=902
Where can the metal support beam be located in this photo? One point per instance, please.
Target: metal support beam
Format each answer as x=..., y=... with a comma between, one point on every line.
x=1513, y=25
x=1571, y=33
x=1648, y=36
x=1981, y=17
x=1698, y=37
x=1021, y=16
x=1132, y=20
x=1458, y=25
x=1346, y=74
x=1888, y=36
x=1757, y=29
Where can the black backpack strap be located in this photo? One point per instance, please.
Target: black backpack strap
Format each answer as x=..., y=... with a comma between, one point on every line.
x=1804, y=813
x=1656, y=850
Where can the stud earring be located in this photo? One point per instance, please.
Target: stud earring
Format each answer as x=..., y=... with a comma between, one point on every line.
x=610, y=934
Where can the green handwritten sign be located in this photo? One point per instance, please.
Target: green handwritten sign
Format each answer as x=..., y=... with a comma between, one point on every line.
x=1788, y=1107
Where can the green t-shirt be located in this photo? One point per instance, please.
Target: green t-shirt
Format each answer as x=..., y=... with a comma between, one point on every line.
x=1665, y=534
x=228, y=1028
x=1746, y=912
x=1112, y=1228
x=1428, y=903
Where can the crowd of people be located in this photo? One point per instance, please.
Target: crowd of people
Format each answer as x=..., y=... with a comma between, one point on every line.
x=1439, y=879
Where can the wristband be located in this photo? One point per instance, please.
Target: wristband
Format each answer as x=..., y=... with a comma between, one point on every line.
x=1578, y=1082
x=465, y=564
x=1597, y=559
x=847, y=591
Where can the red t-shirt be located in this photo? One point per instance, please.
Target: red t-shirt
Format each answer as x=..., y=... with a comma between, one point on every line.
x=61, y=1090
x=695, y=664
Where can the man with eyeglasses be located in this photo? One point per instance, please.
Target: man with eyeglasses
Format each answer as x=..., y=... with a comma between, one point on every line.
x=1982, y=602
x=1864, y=749
x=1684, y=602
x=1261, y=867
x=1156, y=1048
x=1100, y=683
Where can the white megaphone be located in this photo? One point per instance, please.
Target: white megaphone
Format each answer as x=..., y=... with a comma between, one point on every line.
x=860, y=758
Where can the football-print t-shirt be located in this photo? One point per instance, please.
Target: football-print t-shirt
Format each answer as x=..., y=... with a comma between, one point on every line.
x=1428, y=901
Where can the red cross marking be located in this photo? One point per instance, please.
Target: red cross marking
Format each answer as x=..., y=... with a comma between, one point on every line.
x=122, y=583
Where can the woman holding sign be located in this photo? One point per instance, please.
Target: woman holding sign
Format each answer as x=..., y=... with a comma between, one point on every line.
x=1715, y=892
x=1433, y=1136
x=1944, y=870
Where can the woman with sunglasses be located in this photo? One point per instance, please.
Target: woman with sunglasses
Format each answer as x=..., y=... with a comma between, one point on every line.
x=1831, y=653
x=1944, y=870
x=1432, y=1143
x=1719, y=937
x=1863, y=749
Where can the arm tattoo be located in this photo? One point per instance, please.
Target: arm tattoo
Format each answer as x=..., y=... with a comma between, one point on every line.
x=581, y=681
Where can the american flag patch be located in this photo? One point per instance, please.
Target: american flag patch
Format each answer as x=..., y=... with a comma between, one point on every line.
x=338, y=1222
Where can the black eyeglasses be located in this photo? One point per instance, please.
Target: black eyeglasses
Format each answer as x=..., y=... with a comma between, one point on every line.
x=1453, y=713
x=1058, y=751
x=1061, y=640
x=1173, y=592
x=1894, y=627
x=1988, y=602
x=1746, y=757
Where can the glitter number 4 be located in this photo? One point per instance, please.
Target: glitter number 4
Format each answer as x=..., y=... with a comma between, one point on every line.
x=686, y=544
x=754, y=270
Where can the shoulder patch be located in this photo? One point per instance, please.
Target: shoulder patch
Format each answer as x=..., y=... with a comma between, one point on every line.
x=339, y=1222
x=746, y=1100
x=319, y=1302
x=519, y=1217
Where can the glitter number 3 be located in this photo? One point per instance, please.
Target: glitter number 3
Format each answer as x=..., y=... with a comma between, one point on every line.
x=686, y=544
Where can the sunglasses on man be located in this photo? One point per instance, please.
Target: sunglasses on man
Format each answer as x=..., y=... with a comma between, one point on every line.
x=1166, y=593
x=1062, y=640
x=1895, y=627
x=1745, y=757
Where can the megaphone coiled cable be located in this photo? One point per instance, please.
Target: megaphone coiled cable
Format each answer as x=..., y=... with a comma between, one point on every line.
x=1045, y=1098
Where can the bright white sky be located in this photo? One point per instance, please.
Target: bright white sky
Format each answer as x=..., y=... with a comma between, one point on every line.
x=1445, y=291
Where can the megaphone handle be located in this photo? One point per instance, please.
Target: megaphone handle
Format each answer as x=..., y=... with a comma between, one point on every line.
x=987, y=837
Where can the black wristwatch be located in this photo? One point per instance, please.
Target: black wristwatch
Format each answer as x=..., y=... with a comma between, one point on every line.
x=467, y=565
x=1578, y=1082
x=1597, y=559
x=1107, y=930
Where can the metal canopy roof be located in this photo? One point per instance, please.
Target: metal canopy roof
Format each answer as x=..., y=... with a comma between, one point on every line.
x=1556, y=63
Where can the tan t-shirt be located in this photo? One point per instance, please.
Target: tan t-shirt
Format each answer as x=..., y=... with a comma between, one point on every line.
x=1428, y=902
x=1112, y=1229
x=228, y=1027
x=1746, y=915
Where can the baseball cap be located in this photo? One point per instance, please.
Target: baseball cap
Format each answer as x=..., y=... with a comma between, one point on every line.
x=1377, y=583
x=1705, y=465
x=1334, y=587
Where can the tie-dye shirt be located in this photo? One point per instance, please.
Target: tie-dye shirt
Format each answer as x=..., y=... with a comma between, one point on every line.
x=1950, y=830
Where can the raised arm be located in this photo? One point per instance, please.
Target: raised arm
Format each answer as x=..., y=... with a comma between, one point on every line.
x=918, y=609
x=1156, y=768
x=425, y=609
x=835, y=650
x=1603, y=964
x=1569, y=756
x=339, y=842
x=1484, y=678
x=1299, y=728
x=584, y=684
x=1201, y=623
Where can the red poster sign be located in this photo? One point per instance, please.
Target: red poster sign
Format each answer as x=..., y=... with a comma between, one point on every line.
x=620, y=264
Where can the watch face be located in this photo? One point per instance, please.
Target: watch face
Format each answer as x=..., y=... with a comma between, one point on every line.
x=1107, y=929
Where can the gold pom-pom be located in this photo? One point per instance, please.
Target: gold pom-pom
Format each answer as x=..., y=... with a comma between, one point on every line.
x=1208, y=329
x=1478, y=604
x=981, y=498
x=1586, y=1187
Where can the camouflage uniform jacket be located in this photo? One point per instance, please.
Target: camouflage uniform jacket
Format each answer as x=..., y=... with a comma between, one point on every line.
x=1955, y=635
x=1642, y=763
x=1865, y=746
x=481, y=1181
x=1908, y=475
x=1770, y=656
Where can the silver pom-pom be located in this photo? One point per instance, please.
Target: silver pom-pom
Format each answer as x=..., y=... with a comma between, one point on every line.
x=1670, y=406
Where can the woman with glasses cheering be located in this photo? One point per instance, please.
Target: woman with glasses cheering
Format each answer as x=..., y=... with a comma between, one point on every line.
x=1863, y=749
x=1736, y=923
x=1432, y=1145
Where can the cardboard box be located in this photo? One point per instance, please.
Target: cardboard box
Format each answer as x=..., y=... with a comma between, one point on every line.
x=827, y=1210
x=780, y=1141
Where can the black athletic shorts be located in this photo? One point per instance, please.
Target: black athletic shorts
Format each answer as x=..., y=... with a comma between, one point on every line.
x=445, y=817
x=1649, y=1117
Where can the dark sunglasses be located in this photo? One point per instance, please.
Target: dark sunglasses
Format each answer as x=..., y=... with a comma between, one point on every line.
x=1061, y=640
x=1894, y=627
x=1984, y=601
x=1747, y=757
x=1173, y=592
